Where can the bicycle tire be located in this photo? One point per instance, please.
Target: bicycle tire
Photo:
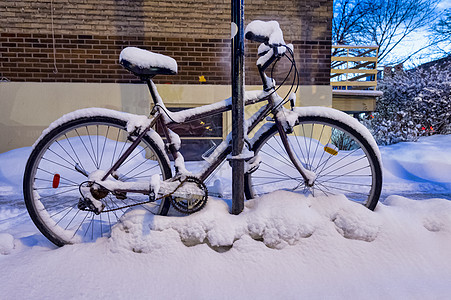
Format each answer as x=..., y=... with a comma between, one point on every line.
x=51, y=180
x=344, y=172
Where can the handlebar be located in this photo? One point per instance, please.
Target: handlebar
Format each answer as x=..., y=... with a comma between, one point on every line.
x=268, y=33
x=270, y=36
x=256, y=38
x=271, y=49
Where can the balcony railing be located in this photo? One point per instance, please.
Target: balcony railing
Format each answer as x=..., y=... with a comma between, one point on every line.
x=354, y=67
x=354, y=78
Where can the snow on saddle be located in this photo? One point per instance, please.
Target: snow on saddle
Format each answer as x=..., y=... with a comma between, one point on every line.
x=144, y=63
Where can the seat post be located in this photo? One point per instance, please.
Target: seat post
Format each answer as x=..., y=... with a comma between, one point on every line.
x=153, y=93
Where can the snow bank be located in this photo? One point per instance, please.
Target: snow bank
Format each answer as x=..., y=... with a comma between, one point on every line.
x=283, y=245
x=418, y=161
x=281, y=219
x=275, y=223
x=12, y=166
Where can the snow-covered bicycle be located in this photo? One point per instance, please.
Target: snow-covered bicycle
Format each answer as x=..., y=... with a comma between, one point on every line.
x=90, y=166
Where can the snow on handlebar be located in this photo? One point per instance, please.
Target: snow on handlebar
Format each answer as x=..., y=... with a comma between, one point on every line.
x=270, y=35
x=264, y=32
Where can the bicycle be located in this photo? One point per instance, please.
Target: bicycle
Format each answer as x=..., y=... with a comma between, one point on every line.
x=90, y=166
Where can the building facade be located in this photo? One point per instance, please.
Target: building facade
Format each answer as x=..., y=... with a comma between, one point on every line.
x=72, y=46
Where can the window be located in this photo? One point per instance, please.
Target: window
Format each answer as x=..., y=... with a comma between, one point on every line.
x=197, y=136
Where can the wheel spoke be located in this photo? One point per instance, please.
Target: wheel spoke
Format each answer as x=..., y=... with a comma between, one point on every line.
x=75, y=153
x=92, y=148
x=68, y=149
x=277, y=170
x=336, y=162
x=86, y=148
x=353, y=171
x=286, y=162
x=60, y=193
x=345, y=172
x=133, y=169
x=136, y=176
x=343, y=190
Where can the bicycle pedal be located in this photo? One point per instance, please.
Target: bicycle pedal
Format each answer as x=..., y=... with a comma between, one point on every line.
x=152, y=196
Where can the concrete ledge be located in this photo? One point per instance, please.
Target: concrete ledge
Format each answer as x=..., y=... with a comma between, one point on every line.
x=27, y=108
x=355, y=101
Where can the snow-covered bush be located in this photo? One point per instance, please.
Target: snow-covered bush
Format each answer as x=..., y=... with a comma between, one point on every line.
x=415, y=103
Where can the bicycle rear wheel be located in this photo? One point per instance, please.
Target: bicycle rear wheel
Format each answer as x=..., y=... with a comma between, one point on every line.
x=60, y=163
x=343, y=160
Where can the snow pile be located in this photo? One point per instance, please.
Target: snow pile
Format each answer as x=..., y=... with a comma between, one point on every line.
x=276, y=220
x=283, y=245
x=426, y=164
x=275, y=223
x=12, y=166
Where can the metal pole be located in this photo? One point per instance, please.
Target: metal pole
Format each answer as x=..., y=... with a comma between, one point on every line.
x=237, y=105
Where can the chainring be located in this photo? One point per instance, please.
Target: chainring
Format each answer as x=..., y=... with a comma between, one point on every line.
x=192, y=205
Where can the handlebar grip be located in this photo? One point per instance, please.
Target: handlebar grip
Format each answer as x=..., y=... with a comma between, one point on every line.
x=256, y=38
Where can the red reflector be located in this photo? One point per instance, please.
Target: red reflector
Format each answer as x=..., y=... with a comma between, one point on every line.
x=56, y=180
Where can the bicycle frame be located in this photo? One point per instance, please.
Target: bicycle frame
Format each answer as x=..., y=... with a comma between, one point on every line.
x=161, y=117
x=304, y=150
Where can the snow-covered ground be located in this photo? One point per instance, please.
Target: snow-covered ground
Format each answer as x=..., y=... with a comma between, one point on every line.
x=283, y=245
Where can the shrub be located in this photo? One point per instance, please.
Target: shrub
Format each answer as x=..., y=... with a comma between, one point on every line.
x=415, y=103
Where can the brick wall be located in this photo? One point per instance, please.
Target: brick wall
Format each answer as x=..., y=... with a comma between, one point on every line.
x=86, y=37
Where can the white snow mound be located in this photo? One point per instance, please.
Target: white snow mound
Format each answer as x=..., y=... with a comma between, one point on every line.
x=6, y=243
x=418, y=161
x=276, y=220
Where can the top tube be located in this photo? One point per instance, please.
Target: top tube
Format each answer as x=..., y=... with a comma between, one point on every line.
x=200, y=112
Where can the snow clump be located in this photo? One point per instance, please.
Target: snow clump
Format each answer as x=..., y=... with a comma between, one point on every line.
x=6, y=243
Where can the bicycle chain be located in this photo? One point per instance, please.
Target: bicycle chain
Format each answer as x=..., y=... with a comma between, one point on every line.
x=187, y=178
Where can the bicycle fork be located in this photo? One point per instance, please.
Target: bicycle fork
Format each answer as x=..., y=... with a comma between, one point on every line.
x=309, y=176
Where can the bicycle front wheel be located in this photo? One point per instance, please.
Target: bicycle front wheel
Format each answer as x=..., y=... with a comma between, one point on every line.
x=342, y=159
x=60, y=164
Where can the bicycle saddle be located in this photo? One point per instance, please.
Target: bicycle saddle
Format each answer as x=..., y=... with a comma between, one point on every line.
x=145, y=63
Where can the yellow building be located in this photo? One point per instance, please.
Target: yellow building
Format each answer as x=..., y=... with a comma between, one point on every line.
x=60, y=56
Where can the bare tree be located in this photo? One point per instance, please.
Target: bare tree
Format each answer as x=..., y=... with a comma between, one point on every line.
x=385, y=23
x=347, y=21
x=441, y=33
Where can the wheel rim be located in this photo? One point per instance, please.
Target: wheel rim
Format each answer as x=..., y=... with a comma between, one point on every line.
x=84, y=148
x=342, y=163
